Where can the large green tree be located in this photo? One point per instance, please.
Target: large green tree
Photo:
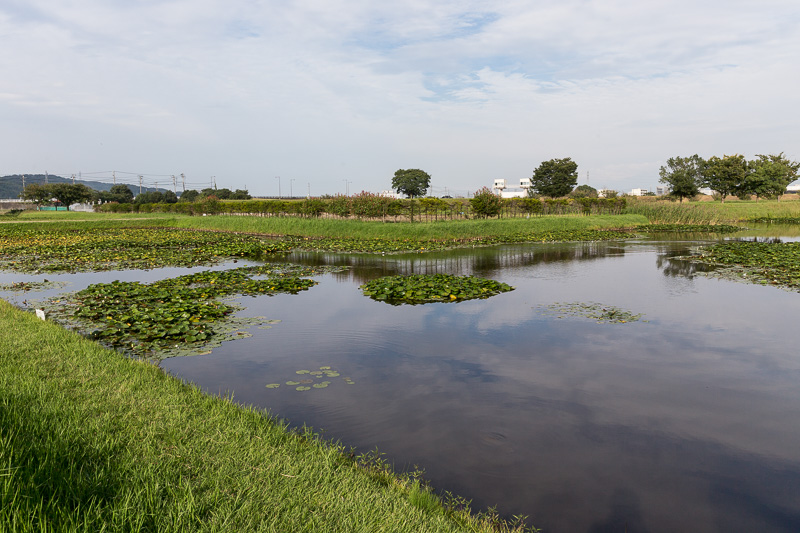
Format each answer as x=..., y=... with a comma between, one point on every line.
x=769, y=175
x=411, y=182
x=554, y=178
x=485, y=203
x=38, y=194
x=683, y=175
x=725, y=175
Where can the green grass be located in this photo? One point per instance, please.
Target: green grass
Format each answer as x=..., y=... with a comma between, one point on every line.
x=337, y=228
x=92, y=441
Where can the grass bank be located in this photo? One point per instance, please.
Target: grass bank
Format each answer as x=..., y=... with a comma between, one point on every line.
x=341, y=228
x=92, y=441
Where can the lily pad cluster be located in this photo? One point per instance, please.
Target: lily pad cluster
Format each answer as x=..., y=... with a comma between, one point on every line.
x=173, y=316
x=56, y=249
x=599, y=312
x=765, y=263
x=313, y=379
x=419, y=288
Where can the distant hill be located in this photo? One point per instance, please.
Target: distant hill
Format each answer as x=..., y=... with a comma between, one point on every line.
x=11, y=186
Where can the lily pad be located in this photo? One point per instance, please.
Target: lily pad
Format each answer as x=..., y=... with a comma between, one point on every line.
x=273, y=385
x=302, y=388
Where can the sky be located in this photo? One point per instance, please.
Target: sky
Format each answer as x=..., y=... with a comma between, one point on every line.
x=333, y=96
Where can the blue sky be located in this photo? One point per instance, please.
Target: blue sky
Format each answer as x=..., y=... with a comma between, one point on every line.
x=336, y=95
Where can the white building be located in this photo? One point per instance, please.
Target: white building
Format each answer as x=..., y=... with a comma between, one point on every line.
x=501, y=188
x=638, y=192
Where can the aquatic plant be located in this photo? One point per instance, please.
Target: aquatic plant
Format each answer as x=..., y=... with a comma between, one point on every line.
x=176, y=316
x=765, y=263
x=418, y=288
x=309, y=383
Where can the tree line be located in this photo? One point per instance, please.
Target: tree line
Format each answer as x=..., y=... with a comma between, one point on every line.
x=766, y=176
x=68, y=194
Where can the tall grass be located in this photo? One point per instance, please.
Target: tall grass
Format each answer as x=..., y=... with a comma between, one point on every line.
x=731, y=212
x=91, y=441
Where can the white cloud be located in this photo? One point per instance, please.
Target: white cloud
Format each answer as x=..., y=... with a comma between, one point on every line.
x=350, y=89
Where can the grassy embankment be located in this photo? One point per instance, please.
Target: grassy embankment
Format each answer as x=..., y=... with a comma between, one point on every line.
x=336, y=228
x=92, y=441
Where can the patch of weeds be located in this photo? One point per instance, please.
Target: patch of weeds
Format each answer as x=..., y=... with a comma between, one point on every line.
x=599, y=312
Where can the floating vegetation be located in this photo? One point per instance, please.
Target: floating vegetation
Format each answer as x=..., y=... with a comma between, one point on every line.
x=690, y=228
x=419, y=289
x=176, y=316
x=382, y=245
x=765, y=263
x=31, y=249
x=27, y=286
x=599, y=312
x=323, y=373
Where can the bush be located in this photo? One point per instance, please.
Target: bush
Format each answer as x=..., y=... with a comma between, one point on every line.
x=485, y=203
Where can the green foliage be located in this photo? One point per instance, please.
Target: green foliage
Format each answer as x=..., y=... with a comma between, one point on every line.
x=683, y=175
x=412, y=182
x=485, y=203
x=314, y=378
x=725, y=175
x=189, y=196
x=768, y=176
x=584, y=191
x=65, y=193
x=419, y=289
x=555, y=178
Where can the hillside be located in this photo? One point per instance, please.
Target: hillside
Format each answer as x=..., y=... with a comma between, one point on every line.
x=11, y=186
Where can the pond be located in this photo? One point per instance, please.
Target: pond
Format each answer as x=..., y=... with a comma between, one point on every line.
x=685, y=418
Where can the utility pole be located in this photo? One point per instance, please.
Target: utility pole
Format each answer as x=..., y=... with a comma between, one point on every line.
x=140, y=184
x=309, y=189
x=45, y=177
x=183, y=181
x=73, y=179
x=214, y=182
x=114, y=176
x=291, y=194
x=279, y=185
x=156, y=186
x=174, y=184
x=23, y=182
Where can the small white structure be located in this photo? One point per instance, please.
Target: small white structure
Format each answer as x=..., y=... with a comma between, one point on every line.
x=525, y=183
x=390, y=194
x=606, y=193
x=638, y=192
x=499, y=184
x=501, y=188
x=662, y=191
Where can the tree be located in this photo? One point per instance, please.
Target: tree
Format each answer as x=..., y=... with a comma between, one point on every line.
x=725, y=175
x=38, y=194
x=69, y=194
x=485, y=203
x=555, y=178
x=118, y=193
x=683, y=175
x=189, y=196
x=411, y=182
x=769, y=176
x=584, y=191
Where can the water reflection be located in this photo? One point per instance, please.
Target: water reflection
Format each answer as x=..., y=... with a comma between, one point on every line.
x=486, y=262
